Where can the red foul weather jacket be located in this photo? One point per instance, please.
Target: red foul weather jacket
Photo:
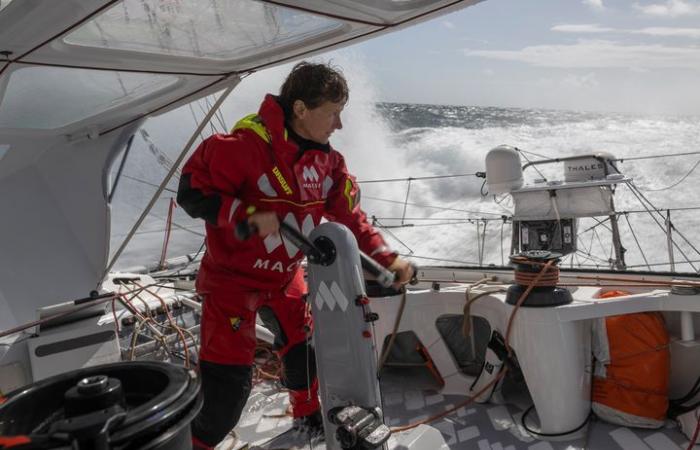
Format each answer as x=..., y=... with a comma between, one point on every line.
x=262, y=166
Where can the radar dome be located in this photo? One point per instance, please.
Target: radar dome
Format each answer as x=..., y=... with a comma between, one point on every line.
x=504, y=172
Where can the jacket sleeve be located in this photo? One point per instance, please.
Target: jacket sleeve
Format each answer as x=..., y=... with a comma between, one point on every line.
x=211, y=180
x=343, y=205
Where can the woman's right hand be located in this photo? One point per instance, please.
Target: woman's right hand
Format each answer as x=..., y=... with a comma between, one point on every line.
x=266, y=222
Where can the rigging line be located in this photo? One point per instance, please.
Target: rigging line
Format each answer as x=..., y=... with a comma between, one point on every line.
x=503, y=224
x=161, y=158
x=635, y=188
x=194, y=118
x=634, y=235
x=424, y=225
x=192, y=259
x=676, y=183
x=679, y=208
x=534, y=166
x=483, y=243
x=667, y=155
x=596, y=264
x=381, y=225
x=469, y=263
x=642, y=200
x=672, y=226
x=173, y=191
x=600, y=222
x=433, y=177
x=429, y=206
x=592, y=257
x=161, y=230
x=564, y=258
x=454, y=219
x=121, y=168
x=500, y=203
x=226, y=78
x=663, y=264
x=217, y=115
x=535, y=154
x=684, y=238
x=600, y=242
x=204, y=110
x=478, y=243
x=167, y=178
x=161, y=218
x=590, y=244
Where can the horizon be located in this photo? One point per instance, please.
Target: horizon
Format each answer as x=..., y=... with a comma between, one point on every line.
x=552, y=109
x=599, y=56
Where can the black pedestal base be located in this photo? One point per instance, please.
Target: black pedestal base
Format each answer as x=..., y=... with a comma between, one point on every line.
x=539, y=296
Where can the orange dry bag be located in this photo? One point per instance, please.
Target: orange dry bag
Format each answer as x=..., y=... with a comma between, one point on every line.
x=630, y=383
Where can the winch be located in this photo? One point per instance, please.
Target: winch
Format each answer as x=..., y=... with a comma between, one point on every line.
x=545, y=292
x=128, y=405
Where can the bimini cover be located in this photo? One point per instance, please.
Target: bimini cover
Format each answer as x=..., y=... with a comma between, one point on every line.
x=570, y=203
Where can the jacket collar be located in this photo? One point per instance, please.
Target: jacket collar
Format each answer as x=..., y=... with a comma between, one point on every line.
x=273, y=117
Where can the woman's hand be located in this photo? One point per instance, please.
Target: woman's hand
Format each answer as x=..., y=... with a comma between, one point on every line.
x=265, y=222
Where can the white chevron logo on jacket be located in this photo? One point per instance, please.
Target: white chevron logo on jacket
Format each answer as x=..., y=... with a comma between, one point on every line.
x=274, y=240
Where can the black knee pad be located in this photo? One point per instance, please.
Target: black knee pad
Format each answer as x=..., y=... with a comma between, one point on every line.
x=271, y=323
x=225, y=389
x=299, y=366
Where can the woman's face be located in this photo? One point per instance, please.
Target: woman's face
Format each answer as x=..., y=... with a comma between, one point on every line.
x=317, y=124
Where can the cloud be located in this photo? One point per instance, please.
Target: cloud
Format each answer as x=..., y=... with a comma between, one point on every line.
x=592, y=28
x=449, y=25
x=671, y=32
x=671, y=8
x=595, y=4
x=588, y=81
x=582, y=28
x=598, y=54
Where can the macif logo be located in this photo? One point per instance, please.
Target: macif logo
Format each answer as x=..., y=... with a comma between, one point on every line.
x=310, y=175
x=330, y=297
x=273, y=241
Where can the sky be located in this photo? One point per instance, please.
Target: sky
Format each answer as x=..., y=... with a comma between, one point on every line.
x=592, y=55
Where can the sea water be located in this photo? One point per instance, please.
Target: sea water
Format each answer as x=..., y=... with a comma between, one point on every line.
x=441, y=221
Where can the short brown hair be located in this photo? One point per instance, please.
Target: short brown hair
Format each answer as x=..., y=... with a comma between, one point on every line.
x=314, y=84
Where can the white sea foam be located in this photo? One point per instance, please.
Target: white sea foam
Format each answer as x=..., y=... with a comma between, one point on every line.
x=398, y=141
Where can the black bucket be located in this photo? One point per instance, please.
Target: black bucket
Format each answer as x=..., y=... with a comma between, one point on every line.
x=130, y=405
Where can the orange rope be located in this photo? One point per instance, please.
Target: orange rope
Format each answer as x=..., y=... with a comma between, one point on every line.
x=174, y=326
x=168, y=229
x=546, y=280
x=269, y=368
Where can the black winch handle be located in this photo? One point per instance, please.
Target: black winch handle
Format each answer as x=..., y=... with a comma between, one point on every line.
x=384, y=277
x=414, y=279
x=245, y=230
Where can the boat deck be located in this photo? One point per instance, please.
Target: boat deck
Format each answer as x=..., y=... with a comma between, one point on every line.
x=411, y=395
